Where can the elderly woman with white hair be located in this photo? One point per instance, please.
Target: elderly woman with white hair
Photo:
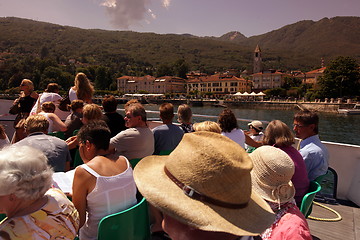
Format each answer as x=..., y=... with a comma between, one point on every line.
x=34, y=210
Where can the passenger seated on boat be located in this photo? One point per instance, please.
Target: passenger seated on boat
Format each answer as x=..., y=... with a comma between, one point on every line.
x=207, y=126
x=34, y=210
x=138, y=140
x=51, y=94
x=271, y=179
x=55, y=123
x=230, y=129
x=91, y=112
x=204, y=190
x=279, y=135
x=73, y=121
x=168, y=135
x=315, y=154
x=104, y=184
x=55, y=149
x=113, y=119
x=184, y=118
x=255, y=132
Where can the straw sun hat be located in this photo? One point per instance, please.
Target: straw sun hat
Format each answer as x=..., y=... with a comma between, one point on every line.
x=214, y=172
x=272, y=173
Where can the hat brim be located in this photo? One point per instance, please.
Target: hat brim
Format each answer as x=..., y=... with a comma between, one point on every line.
x=165, y=195
x=267, y=193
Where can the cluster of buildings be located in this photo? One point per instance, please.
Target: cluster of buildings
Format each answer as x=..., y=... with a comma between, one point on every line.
x=218, y=84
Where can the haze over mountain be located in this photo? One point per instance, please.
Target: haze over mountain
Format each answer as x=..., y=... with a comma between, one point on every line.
x=297, y=46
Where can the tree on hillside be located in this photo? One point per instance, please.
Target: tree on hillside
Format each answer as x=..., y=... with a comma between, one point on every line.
x=291, y=82
x=181, y=68
x=103, y=78
x=341, y=78
x=164, y=70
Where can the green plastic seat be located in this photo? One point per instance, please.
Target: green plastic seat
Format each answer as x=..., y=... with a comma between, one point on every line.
x=307, y=201
x=320, y=178
x=134, y=161
x=132, y=223
x=2, y=217
x=58, y=134
x=165, y=152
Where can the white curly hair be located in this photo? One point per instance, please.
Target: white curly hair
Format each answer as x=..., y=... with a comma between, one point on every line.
x=25, y=172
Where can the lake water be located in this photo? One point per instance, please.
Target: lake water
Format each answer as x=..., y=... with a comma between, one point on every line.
x=333, y=127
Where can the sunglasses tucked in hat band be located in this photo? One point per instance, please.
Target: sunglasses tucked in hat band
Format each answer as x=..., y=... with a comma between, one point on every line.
x=214, y=171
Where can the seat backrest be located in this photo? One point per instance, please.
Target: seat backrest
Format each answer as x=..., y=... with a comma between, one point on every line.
x=321, y=177
x=165, y=152
x=58, y=134
x=307, y=201
x=132, y=223
x=2, y=217
x=134, y=161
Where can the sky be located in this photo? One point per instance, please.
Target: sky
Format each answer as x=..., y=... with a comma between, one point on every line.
x=196, y=17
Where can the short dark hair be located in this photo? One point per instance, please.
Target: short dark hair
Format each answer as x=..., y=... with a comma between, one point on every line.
x=97, y=133
x=227, y=120
x=109, y=103
x=307, y=117
x=48, y=107
x=166, y=111
x=76, y=104
x=52, y=88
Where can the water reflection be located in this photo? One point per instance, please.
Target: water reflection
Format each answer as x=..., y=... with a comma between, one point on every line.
x=333, y=127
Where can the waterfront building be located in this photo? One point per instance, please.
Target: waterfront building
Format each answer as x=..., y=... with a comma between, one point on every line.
x=218, y=84
x=313, y=76
x=268, y=79
x=150, y=84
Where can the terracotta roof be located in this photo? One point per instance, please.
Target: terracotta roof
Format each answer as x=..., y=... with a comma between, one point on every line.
x=320, y=70
x=216, y=78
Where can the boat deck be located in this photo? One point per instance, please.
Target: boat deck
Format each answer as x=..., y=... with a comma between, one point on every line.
x=348, y=228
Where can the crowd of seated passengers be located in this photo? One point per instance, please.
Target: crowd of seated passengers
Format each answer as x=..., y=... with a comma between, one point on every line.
x=100, y=165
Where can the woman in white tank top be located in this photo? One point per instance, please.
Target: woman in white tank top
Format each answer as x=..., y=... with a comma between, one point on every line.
x=104, y=184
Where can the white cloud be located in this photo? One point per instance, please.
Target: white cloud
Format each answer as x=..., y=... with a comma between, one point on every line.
x=125, y=13
x=166, y=3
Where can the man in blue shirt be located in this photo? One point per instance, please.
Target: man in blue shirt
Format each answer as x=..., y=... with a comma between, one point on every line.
x=168, y=135
x=315, y=154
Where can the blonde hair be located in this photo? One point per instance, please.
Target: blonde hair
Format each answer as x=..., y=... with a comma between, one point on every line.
x=24, y=172
x=208, y=126
x=83, y=87
x=184, y=113
x=130, y=102
x=36, y=123
x=28, y=83
x=92, y=112
x=277, y=133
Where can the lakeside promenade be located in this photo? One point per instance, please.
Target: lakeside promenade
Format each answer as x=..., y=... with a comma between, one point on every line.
x=327, y=106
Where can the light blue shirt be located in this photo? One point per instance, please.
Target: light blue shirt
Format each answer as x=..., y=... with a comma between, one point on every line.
x=315, y=155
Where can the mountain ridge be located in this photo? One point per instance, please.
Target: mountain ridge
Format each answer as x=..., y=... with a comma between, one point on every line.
x=299, y=45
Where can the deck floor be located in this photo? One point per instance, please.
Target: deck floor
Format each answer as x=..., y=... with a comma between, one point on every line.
x=348, y=228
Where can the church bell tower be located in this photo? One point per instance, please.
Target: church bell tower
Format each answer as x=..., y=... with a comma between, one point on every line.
x=257, y=60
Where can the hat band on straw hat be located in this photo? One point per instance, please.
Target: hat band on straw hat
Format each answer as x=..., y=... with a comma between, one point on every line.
x=192, y=193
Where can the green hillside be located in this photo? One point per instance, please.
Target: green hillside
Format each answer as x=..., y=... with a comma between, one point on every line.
x=296, y=46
